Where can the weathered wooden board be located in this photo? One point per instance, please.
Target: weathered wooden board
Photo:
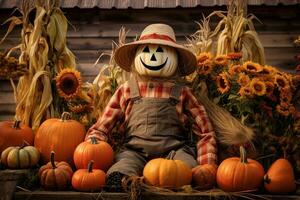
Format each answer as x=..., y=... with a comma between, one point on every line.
x=69, y=195
x=269, y=40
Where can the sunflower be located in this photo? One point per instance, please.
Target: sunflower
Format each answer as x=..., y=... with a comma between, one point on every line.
x=202, y=57
x=223, y=82
x=281, y=80
x=235, y=69
x=295, y=80
x=252, y=67
x=285, y=109
x=245, y=91
x=221, y=60
x=235, y=56
x=258, y=87
x=243, y=79
x=205, y=68
x=269, y=87
x=68, y=83
x=286, y=94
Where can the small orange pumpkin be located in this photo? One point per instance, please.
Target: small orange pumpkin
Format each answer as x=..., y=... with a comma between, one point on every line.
x=88, y=180
x=240, y=174
x=280, y=178
x=61, y=136
x=99, y=151
x=13, y=133
x=204, y=176
x=167, y=173
x=55, y=175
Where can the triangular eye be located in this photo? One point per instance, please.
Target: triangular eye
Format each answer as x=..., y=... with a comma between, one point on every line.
x=146, y=49
x=159, y=49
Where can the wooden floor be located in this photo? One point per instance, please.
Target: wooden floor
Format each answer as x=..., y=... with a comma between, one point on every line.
x=69, y=195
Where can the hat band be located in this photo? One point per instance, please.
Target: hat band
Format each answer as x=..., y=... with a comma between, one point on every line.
x=157, y=36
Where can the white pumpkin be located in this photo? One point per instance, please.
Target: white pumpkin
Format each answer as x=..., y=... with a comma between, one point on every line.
x=156, y=60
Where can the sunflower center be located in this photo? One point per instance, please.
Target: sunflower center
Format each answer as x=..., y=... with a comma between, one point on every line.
x=281, y=82
x=69, y=83
x=251, y=67
x=222, y=83
x=258, y=87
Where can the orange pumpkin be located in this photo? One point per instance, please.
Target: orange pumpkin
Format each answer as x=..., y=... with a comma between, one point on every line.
x=99, y=151
x=55, y=175
x=88, y=180
x=13, y=133
x=204, y=176
x=61, y=136
x=167, y=173
x=280, y=178
x=239, y=174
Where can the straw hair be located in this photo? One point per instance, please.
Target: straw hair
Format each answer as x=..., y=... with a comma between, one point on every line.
x=124, y=55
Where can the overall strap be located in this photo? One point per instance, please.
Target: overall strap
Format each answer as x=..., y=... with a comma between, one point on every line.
x=134, y=89
x=175, y=93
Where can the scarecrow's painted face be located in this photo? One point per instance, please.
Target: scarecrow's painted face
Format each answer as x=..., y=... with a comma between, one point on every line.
x=156, y=60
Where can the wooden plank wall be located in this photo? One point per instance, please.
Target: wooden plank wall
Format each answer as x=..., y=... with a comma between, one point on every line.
x=96, y=29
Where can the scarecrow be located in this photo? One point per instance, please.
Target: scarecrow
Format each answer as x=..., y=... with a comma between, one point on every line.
x=154, y=107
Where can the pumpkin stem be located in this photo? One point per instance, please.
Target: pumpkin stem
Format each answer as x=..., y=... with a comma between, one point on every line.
x=52, y=159
x=65, y=116
x=243, y=155
x=90, y=166
x=94, y=140
x=171, y=155
x=17, y=124
x=267, y=179
x=24, y=144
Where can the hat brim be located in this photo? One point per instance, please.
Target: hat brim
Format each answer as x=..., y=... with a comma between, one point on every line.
x=125, y=54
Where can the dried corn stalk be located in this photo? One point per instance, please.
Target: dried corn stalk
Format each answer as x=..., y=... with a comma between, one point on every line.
x=109, y=77
x=237, y=33
x=43, y=49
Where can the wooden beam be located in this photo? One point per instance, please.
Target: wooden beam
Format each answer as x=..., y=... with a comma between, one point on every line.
x=71, y=195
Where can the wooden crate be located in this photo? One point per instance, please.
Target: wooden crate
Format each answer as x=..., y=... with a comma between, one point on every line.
x=8, y=182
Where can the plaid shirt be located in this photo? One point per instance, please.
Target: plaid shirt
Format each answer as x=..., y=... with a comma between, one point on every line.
x=120, y=106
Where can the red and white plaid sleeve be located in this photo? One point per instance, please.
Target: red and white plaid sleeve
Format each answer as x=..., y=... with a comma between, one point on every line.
x=112, y=112
x=206, y=146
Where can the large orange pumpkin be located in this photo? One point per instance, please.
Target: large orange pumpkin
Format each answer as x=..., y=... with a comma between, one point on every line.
x=61, y=136
x=239, y=174
x=204, y=176
x=89, y=179
x=167, y=173
x=13, y=133
x=99, y=151
x=55, y=175
x=280, y=177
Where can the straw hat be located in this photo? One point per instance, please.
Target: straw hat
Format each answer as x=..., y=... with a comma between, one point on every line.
x=156, y=34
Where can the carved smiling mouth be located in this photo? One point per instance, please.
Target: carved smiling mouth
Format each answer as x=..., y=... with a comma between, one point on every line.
x=154, y=68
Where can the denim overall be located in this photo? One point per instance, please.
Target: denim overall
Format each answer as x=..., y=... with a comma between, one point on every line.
x=153, y=130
